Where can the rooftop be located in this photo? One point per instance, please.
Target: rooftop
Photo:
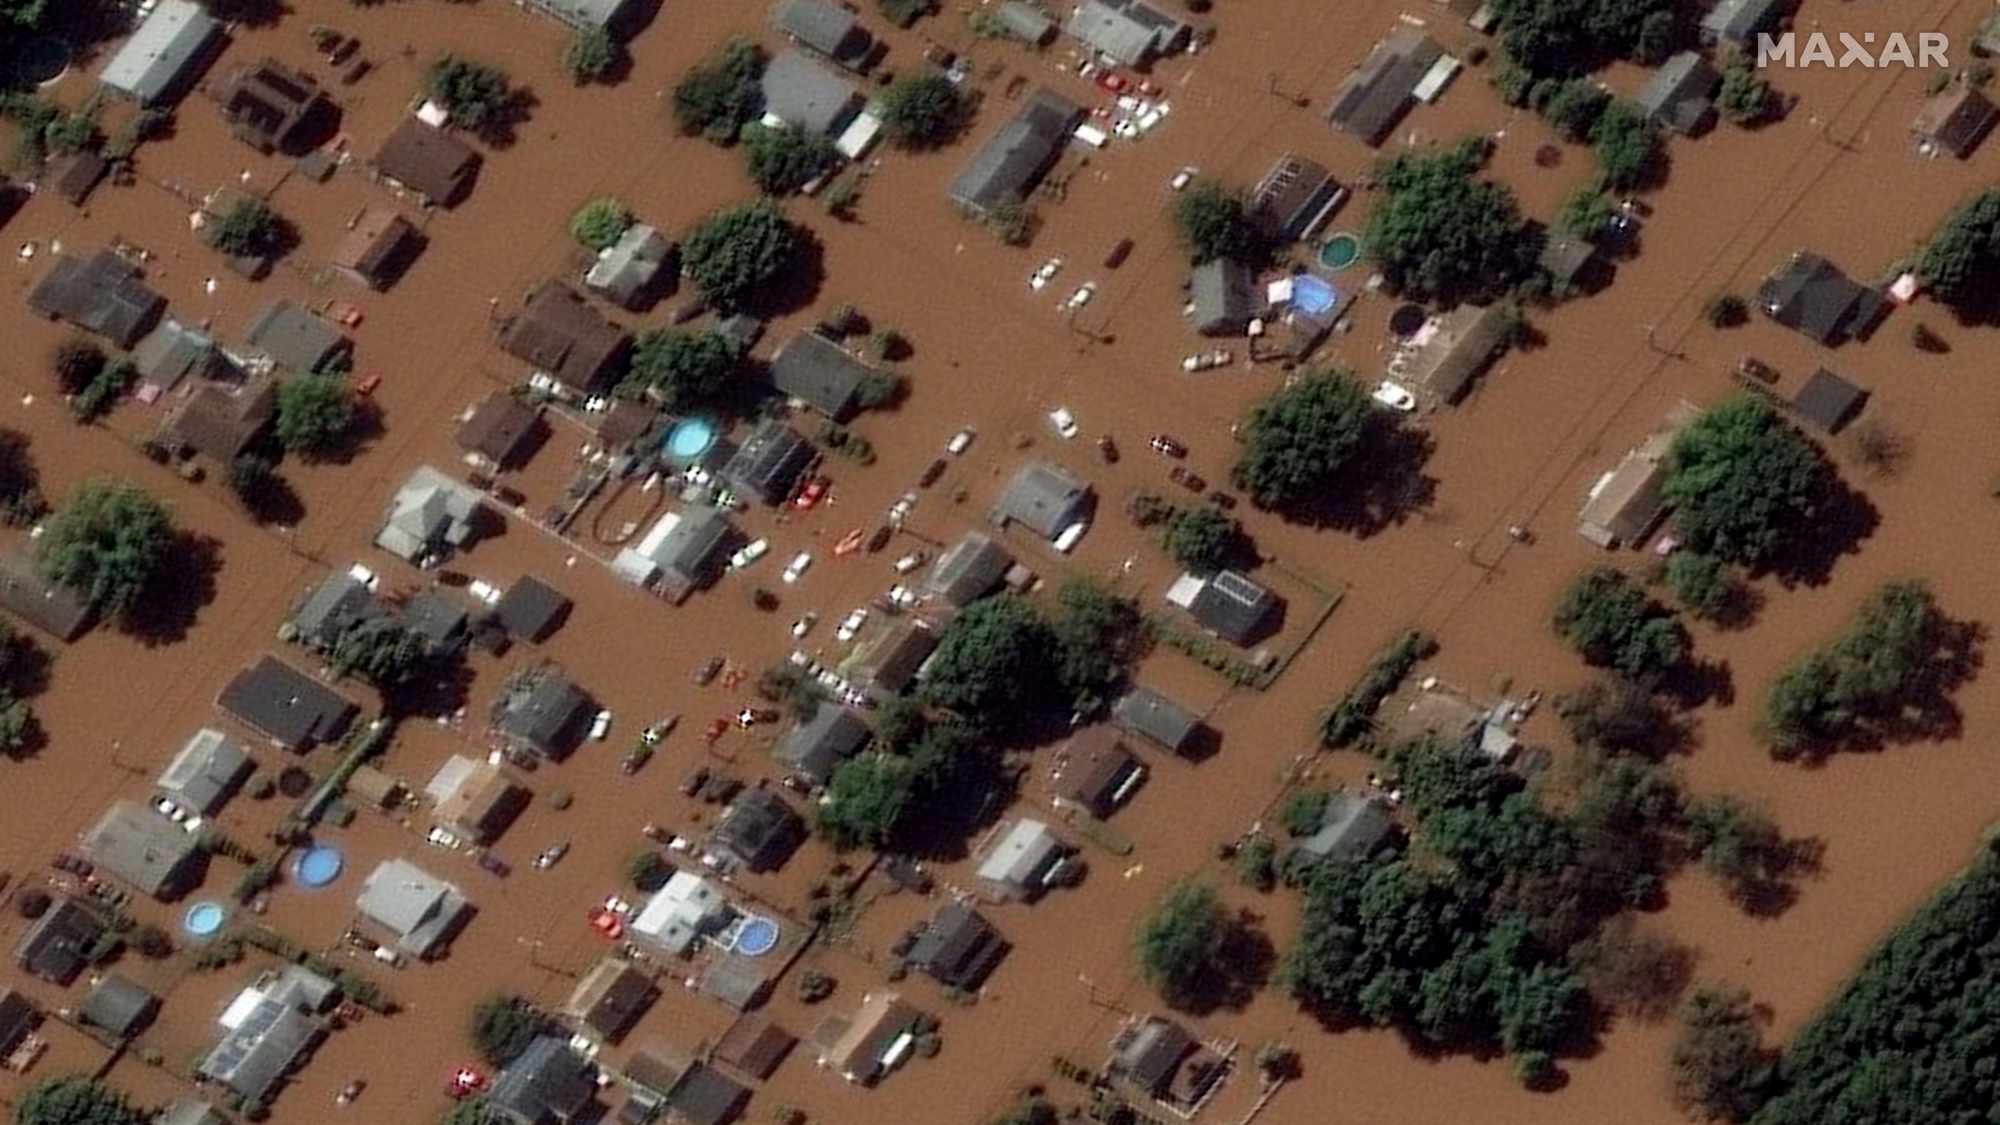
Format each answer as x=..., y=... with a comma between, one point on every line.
x=294, y=337
x=378, y=247
x=118, y=1007
x=501, y=431
x=1373, y=100
x=760, y=830
x=206, y=773
x=805, y=95
x=101, y=294
x=428, y=516
x=969, y=569
x=1044, y=499
x=770, y=461
x=1018, y=155
x=822, y=374
x=285, y=705
x=155, y=62
x=823, y=26
x=1153, y=715
x=55, y=610
x=559, y=332
x=429, y=161
x=814, y=748
x=135, y=844
x=419, y=911
x=532, y=609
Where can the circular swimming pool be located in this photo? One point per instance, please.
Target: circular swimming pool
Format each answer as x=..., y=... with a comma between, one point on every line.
x=1340, y=251
x=316, y=867
x=689, y=439
x=204, y=919
x=757, y=937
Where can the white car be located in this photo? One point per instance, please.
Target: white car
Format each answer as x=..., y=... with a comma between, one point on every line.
x=805, y=624
x=796, y=569
x=170, y=810
x=442, y=838
x=909, y=562
x=600, y=725
x=901, y=509
x=1125, y=127
x=1182, y=178
x=749, y=553
x=960, y=441
x=484, y=591
x=1082, y=296
x=901, y=596
x=364, y=576
x=1063, y=421
x=1395, y=396
x=850, y=625
x=1070, y=536
x=1045, y=274
x=1202, y=361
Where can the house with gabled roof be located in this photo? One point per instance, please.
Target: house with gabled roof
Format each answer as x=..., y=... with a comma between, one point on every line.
x=561, y=334
x=102, y=294
x=1013, y=161
x=825, y=28
x=135, y=844
x=1372, y=101
x=156, y=65
x=429, y=517
x=428, y=161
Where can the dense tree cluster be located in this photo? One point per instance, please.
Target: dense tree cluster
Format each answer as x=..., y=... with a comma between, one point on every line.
x=1742, y=847
x=1745, y=98
x=1577, y=36
x=1627, y=147
x=922, y=110
x=678, y=368
x=782, y=160
x=503, y=1025
x=1176, y=946
x=1703, y=584
x=1353, y=716
x=1719, y=1066
x=1204, y=540
x=1298, y=443
x=1439, y=232
x=74, y=1100
x=1957, y=263
x=1613, y=624
x=251, y=228
x=1213, y=222
x=1744, y=483
x=599, y=223
x=315, y=413
x=917, y=765
x=736, y=251
x=382, y=651
x=475, y=93
x=592, y=55
x=1003, y=662
x=718, y=98
x=106, y=543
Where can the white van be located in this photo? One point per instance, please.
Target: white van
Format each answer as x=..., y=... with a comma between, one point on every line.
x=1070, y=535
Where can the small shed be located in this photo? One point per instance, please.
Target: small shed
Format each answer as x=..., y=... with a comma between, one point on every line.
x=118, y=1007
x=1828, y=402
x=532, y=609
x=1956, y=120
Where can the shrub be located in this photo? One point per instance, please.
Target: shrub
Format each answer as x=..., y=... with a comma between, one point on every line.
x=1725, y=310
x=592, y=55
x=599, y=223
x=503, y=1025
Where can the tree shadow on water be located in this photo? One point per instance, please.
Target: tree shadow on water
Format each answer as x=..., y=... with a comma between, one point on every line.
x=1839, y=526
x=179, y=588
x=1241, y=968
x=1384, y=485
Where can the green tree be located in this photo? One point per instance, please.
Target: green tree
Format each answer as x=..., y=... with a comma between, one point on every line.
x=904, y=13
x=103, y=390
x=1564, y=37
x=76, y=362
x=1627, y=146
x=1870, y=683
x=23, y=14
x=19, y=727
x=1212, y=222
x=1585, y=213
x=1957, y=263
x=995, y=662
x=1725, y=310
x=475, y=93
x=1440, y=232
x=1204, y=540
x=1298, y=443
x=503, y=1025
x=1703, y=584
x=592, y=55
x=250, y=229
x=866, y=800
x=106, y=543
x=678, y=368
x=782, y=160
x=74, y=1100
x=719, y=97
x=1177, y=945
x=1097, y=635
x=736, y=251
x=1575, y=107
x=1720, y=1068
x=599, y=223
x=315, y=413
x=1612, y=623
x=647, y=870
x=920, y=110
x=381, y=651
x=1743, y=483
x=1618, y=717
x=1744, y=849
x=879, y=389
x=1745, y=98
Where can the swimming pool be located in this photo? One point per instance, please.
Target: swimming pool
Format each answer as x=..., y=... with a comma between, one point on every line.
x=689, y=439
x=1313, y=296
x=204, y=919
x=757, y=937
x=318, y=866
x=1340, y=251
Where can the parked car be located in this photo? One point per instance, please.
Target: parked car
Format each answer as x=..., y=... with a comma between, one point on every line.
x=1183, y=178
x=749, y=553
x=1082, y=296
x=495, y=865
x=1070, y=536
x=1045, y=274
x=600, y=725
x=813, y=492
x=442, y=837
x=805, y=624
x=636, y=758
x=705, y=674
x=901, y=509
x=1187, y=480
x=552, y=855
x=1063, y=421
x=960, y=441
x=1107, y=449
x=1168, y=446
x=1222, y=500
x=850, y=625
x=1120, y=250
x=1203, y=361
x=1395, y=396
x=909, y=562
x=797, y=568
x=932, y=473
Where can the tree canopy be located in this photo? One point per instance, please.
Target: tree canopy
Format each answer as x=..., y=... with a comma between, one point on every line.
x=1627, y=146
x=1703, y=584
x=1743, y=483
x=1439, y=232
x=382, y=651
x=74, y=1100
x=1957, y=263
x=1573, y=107
x=250, y=229
x=475, y=92
x=678, y=368
x=1613, y=624
x=315, y=413
x=921, y=109
x=1204, y=540
x=1719, y=1065
x=1176, y=946
x=106, y=542
x=1213, y=222
x=1563, y=37
x=734, y=252
x=782, y=160
x=995, y=662
x=503, y=1025
x=865, y=801
x=720, y=96
x=1745, y=98
x=592, y=55
x=599, y=223
x=1300, y=441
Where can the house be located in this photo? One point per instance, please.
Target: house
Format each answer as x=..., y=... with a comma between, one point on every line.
x=1154, y=716
x=74, y=177
x=1372, y=101
x=859, y=1049
x=968, y=570
x=295, y=338
x=649, y=1075
x=624, y=423
x=427, y=161
x=1351, y=829
x=624, y=271
x=1442, y=715
x=1128, y=32
x=820, y=373
x=801, y=94
x=1095, y=773
x=61, y=943
x=560, y=333
x=705, y=1096
x=418, y=911
x=1009, y=166
x=610, y=999
x=758, y=831
x=825, y=28
x=1570, y=263
x=268, y=105
x=136, y=845
x=156, y=64
x=293, y=710
x=500, y=433
x=379, y=246
x=1019, y=864
x=1294, y=199
x=768, y=465
x=1810, y=295
x=681, y=913
x=370, y=788
x=1026, y=22
x=266, y=1031
x=1626, y=504
x=1828, y=402
x=1222, y=297
x=1735, y=23
x=811, y=752
x=220, y=421
x=582, y=15
x=542, y=713
x=1158, y=1058
x=680, y=554
x=738, y=981
x=1448, y=352
x=1044, y=499
x=428, y=518
x=209, y=769
x=18, y=1020
x=1680, y=95
x=174, y=351
x=547, y=1084
x=478, y=801
x=338, y=603
x=888, y=663
x=55, y=610
x=753, y=1046
x=118, y=1007
x=532, y=609
x=190, y=1113
x=101, y=294
x=1228, y=604
x=958, y=948
x=1955, y=120
x=438, y=618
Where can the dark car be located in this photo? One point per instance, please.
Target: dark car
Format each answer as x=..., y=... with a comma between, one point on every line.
x=710, y=668
x=494, y=864
x=1107, y=449
x=1168, y=446
x=1222, y=500
x=1120, y=250
x=694, y=782
x=1187, y=480
x=932, y=474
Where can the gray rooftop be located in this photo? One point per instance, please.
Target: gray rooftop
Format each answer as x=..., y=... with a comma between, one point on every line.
x=1129, y=32
x=173, y=352
x=337, y=604
x=814, y=748
x=1021, y=856
x=101, y=294
x=286, y=705
x=118, y=1007
x=600, y=14
x=1025, y=21
x=295, y=338
x=549, y=1083
x=1147, y=712
x=139, y=846
x=1350, y=829
x=206, y=772
x=805, y=95
x=1043, y=499
x=543, y=713
x=430, y=514
x=1234, y=607
x=418, y=909
x=625, y=268
x=819, y=372
x=770, y=461
x=152, y=64
x=823, y=26
x=1678, y=94
x=1739, y=21
x=252, y=1057
x=1224, y=295
x=1374, y=99
x=969, y=569
x=1018, y=155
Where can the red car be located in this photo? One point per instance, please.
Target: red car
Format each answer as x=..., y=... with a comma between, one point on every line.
x=1111, y=80
x=465, y=1082
x=813, y=492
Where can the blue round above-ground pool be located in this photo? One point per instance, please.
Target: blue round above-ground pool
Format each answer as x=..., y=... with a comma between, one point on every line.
x=318, y=866
x=689, y=440
x=43, y=61
x=204, y=919
x=757, y=937
x=1340, y=251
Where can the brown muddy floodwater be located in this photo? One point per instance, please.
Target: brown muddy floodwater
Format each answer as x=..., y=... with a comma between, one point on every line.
x=1836, y=176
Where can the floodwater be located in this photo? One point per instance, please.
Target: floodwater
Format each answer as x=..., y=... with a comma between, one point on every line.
x=1836, y=176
